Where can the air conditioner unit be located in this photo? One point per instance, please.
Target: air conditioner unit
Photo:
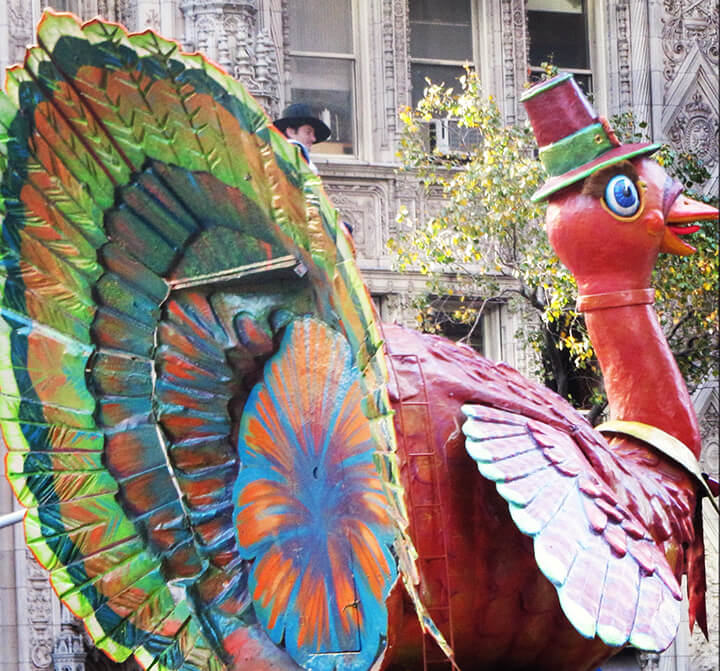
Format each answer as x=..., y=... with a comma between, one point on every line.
x=446, y=136
x=439, y=136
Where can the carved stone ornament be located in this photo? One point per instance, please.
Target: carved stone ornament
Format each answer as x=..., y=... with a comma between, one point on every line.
x=105, y=7
x=695, y=130
x=624, y=70
x=21, y=28
x=69, y=648
x=152, y=19
x=688, y=23
x=39, y=615
x=395, y=48
x=513, y=55
x=228, y=33
x=648, y=661
x=707, y=406
x=397, y=309
x=691, y=108
x=364, y=207
x=704, y=654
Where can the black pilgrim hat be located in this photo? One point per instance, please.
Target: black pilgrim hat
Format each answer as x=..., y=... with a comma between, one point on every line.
x=298, y=114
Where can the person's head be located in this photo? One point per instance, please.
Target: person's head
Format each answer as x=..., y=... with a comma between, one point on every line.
x=299, y=124
x=303, y=133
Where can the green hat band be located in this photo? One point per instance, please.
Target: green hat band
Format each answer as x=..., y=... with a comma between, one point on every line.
x=575, y=150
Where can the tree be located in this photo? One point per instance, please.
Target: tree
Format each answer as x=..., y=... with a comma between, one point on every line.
x=489, y=235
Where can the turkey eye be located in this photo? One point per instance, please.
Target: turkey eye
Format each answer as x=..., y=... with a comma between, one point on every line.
x=621, y=196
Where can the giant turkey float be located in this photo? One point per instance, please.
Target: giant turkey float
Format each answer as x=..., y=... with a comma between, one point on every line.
x=229, y=463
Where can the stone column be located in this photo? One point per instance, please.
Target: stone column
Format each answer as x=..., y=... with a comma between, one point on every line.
x=514, y=58
x=17, y=21
x=9, y=632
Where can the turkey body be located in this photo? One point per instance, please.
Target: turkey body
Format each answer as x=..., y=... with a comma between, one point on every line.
x=479, y=579
x=200, y=407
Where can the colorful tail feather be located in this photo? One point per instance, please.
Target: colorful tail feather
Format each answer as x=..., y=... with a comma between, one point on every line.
x=162, y=249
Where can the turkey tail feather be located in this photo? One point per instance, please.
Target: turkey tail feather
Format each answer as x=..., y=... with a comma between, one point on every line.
x=160, y=244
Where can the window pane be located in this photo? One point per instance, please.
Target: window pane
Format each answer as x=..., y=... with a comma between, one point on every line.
x=585, y=83
x=584, y=80
x=320, y=25
x=437, y=74
x=326, y=85
x=453, y=11
x=559, y=37
x=441, y=41
x=441, y=29
x=572, y=6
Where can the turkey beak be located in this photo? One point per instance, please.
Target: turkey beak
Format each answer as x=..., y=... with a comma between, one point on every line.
x=683, y=211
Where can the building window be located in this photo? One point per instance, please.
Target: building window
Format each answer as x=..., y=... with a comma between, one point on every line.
x=323, y=67
x=440, y=42
x=558, y=32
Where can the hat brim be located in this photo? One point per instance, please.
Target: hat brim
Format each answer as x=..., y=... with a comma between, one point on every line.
x=611, y=157
x=322, y=132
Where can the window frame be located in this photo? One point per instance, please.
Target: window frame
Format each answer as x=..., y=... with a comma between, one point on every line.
x=473, y=60
x=355, y=58
x=590, y=46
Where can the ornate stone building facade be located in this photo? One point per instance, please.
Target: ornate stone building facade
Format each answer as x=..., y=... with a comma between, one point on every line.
x=659, y=59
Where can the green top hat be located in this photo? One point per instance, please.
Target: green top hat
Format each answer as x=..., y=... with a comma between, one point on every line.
x=572, y=139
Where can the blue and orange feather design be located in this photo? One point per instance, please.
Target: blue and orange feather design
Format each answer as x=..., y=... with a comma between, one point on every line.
x=310, y=509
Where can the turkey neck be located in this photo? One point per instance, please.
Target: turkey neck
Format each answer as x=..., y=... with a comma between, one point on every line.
x=642, y=379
